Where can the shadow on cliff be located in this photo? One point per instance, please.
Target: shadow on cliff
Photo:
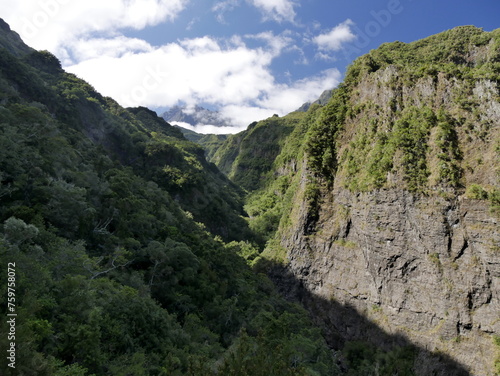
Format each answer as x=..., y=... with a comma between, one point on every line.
x=343, y=325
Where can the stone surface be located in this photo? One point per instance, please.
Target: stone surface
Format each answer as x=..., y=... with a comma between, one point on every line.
x=424, y=267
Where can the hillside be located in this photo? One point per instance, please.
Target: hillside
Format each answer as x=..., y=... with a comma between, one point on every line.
x=381, y=208
x=124, y=243
x=247, y=157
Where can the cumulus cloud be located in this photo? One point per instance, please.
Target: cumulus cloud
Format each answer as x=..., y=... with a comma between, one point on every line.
x=286, y=98
x=277, y=10
x=231, y=76
x=335, y=39
x=282, y=99
x=276, y=43
x=86, y=49
x=225, y=73
x=272, y=10
x=222, y=7
x=192, y=70
x=53, y=24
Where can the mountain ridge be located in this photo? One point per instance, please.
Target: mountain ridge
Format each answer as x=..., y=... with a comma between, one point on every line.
x=123, y=241
x=195, y=116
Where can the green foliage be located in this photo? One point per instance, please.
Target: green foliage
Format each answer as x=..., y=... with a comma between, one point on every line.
x=411, y=133
x=476, y=192
x=110, y=215
x=248, y=157
x=450, y=172
x=496, y=341
x=211, y=143
x=364, y=359
x=446, y=52
x=276, y=344
x=321, y=137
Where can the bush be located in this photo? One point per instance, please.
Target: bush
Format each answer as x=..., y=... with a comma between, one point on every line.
x=476, y=192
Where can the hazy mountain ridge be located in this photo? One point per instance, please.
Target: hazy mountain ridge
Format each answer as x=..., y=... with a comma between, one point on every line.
x=323, y=99
x=194, y=116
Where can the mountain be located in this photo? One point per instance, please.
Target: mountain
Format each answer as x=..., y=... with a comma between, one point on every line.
x=323, y=99
x=126, y=251
x=380, y=210
x=194, y=116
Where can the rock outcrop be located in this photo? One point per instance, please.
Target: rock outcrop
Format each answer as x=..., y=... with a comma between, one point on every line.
x=423, y=268
x=377, y=259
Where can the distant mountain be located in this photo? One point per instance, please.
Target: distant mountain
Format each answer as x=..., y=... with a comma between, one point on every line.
x=322, y=100
x=194, y=116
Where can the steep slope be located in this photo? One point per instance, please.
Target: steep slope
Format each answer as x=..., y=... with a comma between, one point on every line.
x=180, y=166
x=112, y=274
x=248, y=156
x=323, y=99
x=209, y=142
x=387, y=200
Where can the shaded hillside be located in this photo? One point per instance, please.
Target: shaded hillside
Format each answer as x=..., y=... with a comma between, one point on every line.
x=209, y=142
x=101, y=212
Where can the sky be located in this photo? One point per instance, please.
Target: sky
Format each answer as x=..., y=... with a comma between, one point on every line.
x=247, y=59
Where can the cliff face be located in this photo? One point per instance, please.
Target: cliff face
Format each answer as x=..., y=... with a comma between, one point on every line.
x=423, y=268
x=399, y=233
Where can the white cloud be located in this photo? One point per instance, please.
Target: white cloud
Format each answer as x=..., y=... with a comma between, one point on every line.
x=277, y=10
x=191, y=23
x=335, y=38
x=286, y=98
x=86, y=49
x=192, y=71
x=53, y=24
x=272, y=10
x=276, y=43
x=227, y=74
x=244, y=114
x=208, y=128
x=222, y=7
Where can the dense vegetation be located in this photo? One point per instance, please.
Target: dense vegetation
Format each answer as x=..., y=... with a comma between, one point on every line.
x=392, y=137
x=127, y=244
x=248, y=156
x=417, y=137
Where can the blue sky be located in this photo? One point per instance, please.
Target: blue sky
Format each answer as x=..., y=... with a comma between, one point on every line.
x=248, y=59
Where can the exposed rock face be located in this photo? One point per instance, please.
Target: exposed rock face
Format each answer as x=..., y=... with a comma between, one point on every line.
x=422, y=266
x=322, y=100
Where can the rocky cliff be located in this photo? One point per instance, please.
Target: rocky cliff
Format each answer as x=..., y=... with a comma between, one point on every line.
x=423, y=268
x=391, y=231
